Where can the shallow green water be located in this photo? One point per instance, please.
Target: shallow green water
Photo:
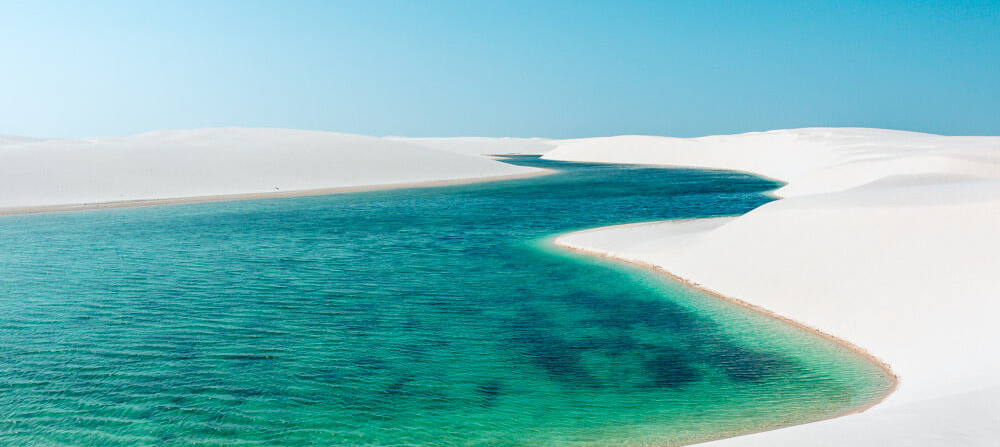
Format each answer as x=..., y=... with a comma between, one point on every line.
x=437, y=316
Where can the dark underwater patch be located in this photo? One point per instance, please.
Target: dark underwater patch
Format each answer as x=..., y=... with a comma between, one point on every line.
x=746, y=365
x=489, y=391
x=671, y=368
x=398, y=387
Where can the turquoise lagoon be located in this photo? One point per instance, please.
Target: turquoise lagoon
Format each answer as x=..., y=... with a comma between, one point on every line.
x=419, y=317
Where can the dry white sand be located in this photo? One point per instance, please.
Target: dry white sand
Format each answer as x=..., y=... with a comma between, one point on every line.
x=486, y=146
x=889, y=240
x=185, y=165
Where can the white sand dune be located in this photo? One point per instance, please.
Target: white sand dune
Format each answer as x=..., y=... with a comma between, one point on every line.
x=173, y=164
x=6, y=140
x=484, y=145
x=813, y=160
x=889, y=240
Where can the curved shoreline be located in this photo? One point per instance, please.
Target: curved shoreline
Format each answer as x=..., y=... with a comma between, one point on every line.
x=265, y=195
x=886, y=369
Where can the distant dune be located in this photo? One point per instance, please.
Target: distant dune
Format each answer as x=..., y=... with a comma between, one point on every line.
x=6, y=140
x=889, y=240
x=484, y=145
x=171, y=164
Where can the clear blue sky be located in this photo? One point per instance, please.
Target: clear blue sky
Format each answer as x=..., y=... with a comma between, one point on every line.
x=499, y=68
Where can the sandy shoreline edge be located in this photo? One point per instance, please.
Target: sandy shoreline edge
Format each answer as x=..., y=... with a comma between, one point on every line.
x=886, y=369
x=266, y=195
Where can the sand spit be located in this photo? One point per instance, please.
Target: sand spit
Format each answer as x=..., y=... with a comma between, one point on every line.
x=887, y=240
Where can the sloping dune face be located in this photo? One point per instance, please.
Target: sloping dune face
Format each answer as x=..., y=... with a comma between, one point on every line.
x=189, y=163
x=812, y=160
x=888, y=239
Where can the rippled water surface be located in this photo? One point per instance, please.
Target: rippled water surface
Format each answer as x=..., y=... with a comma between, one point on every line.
x=437, y=316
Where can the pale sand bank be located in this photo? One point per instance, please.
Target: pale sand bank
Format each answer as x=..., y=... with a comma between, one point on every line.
x=178, y=166
x=265, y=195
x=889, y=242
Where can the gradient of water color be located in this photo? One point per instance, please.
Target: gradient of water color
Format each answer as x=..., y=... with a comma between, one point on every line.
x=439, y=317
